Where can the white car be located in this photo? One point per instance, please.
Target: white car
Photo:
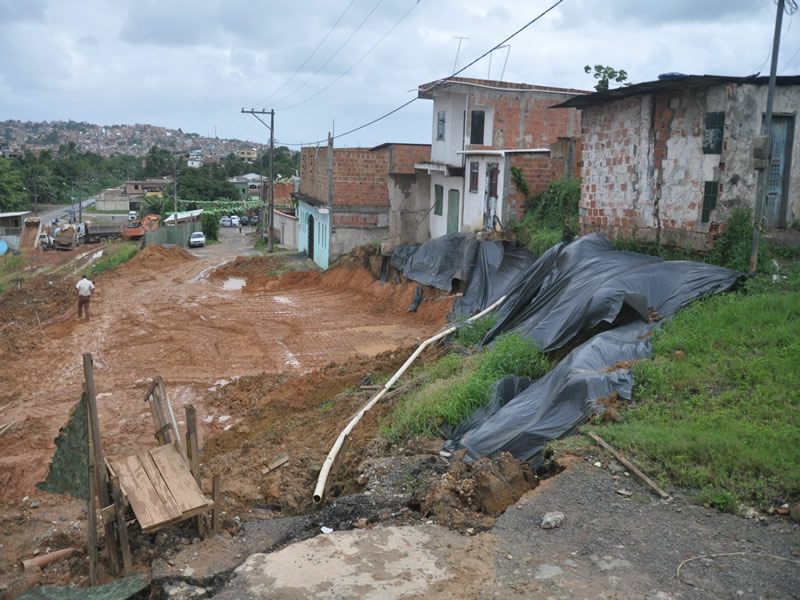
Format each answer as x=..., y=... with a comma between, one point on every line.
x=225, y=222
x=235, y=221
x=198, y=239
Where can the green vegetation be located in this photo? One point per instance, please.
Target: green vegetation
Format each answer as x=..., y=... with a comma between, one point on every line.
x=724, y=420
x=453, y=387
x=550, y=217
x=210, y=223
x=472, y=333
x=115, y=255
x=605, y=75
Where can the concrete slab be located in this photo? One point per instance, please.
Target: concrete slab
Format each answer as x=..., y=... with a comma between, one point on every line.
x=390, y=562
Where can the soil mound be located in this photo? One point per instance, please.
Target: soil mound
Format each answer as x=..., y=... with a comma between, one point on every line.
x=25, y=309
x=487, y=486
x=159, y=257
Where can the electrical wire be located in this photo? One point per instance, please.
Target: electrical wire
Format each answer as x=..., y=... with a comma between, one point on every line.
x=355, y=64
x=310, y=56
x=332, y=56
x=438, y=83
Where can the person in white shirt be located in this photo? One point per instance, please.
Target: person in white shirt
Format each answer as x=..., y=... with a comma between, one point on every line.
x=85, y=288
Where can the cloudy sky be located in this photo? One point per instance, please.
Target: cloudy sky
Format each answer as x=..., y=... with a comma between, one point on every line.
x=193, y=64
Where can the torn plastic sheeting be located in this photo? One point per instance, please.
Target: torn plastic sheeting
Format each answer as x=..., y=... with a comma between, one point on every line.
x=558, y=403
x=502, y=392
x=438, y=261
x=498, y=266
x=574, y=287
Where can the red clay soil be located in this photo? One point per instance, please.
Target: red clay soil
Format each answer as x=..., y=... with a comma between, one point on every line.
x=160, y=314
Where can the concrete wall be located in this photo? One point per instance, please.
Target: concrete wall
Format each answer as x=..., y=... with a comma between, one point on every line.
x=644, y=170
x=286, y=227
x=409, y=200
x=112, y=203
x=454, y=105
x=438, y=223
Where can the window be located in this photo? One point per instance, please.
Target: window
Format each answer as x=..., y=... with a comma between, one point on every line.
x=438, y=200
x=494, y=171
x=710, y=194
x=440, y=125
x=712, y=134
x=477, y=119
x=474, y=169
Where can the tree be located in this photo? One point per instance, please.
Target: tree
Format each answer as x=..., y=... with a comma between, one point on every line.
x=157, y=162
x=604, y=75
x=210, y=222
x=12, y=193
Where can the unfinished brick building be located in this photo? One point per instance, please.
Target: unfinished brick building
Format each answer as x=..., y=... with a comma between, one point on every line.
x=667, y=160
x=376, y=197
x=480, y=129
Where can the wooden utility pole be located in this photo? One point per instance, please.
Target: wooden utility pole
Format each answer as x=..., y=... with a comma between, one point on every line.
x=271, y=127
x=761, y=188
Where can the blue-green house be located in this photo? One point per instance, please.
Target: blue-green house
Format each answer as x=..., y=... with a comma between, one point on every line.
x=314, y=222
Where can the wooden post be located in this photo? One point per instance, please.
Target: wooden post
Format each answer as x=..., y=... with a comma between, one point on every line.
x=91, y=513
x=122, y=528
x=99, y=462
x=162, y=435
x=193, y=455
x=215, y=511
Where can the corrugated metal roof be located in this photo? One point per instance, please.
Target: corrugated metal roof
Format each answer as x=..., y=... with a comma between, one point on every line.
x=675, y=83
x=14, y=214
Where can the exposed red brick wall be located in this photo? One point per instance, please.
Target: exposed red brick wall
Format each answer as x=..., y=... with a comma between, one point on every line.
x=282, y=192
x=537, y=170
x=404, y=156
x=526, y=120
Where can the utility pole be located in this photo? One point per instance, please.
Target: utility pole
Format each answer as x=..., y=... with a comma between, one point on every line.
x=271, y=127
x=761, y=189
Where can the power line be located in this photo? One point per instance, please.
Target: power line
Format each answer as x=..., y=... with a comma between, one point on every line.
x=327, y=62
x=310, y=56
x=355, y=64
x=439, y=82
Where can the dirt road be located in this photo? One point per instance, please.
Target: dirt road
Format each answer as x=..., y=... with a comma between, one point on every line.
x=168, y=313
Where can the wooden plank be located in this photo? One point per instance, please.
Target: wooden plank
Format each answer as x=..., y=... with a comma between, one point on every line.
x=179, y=480
x=276, y=462
x=159, y=420
x=629, y=465
x=159, y=485
x=169, y=414
x=99, y=460
x=215, y=495
x=122, y=527
x=145, y=501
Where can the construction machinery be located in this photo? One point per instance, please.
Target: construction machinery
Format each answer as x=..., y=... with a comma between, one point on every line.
x=95, y=232
x=67, y=237
x=136, y=229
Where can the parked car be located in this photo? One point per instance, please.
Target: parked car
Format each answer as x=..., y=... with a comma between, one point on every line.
x=244, y=220
x=235, y=221
x=198, y=238
x=254, y=220
x=225, y=222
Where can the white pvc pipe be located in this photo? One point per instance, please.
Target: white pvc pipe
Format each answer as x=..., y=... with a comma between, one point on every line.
x=319, y=491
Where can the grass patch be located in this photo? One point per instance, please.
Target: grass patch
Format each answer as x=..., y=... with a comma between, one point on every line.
x=115, y=255
x=455, y=386
x=725, y=420
x=550, y=217
x=472, y=333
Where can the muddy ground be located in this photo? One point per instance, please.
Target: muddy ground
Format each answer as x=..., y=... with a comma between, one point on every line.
x=279, y=366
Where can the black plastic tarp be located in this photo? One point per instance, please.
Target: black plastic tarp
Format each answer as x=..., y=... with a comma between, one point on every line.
x=439, y=261
x=569, y=289
x=498, y=266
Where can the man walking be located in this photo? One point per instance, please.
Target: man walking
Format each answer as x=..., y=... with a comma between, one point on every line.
x=85, y=288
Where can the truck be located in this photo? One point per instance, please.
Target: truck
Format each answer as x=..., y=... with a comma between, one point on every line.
x=96, y=232
x=67, y=237
x=136, y=229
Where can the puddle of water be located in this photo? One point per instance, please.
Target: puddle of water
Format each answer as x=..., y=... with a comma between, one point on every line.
x=234, y=283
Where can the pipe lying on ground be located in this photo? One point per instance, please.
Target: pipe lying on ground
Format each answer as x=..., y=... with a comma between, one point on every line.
x=319, y=491
x=40, y=562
